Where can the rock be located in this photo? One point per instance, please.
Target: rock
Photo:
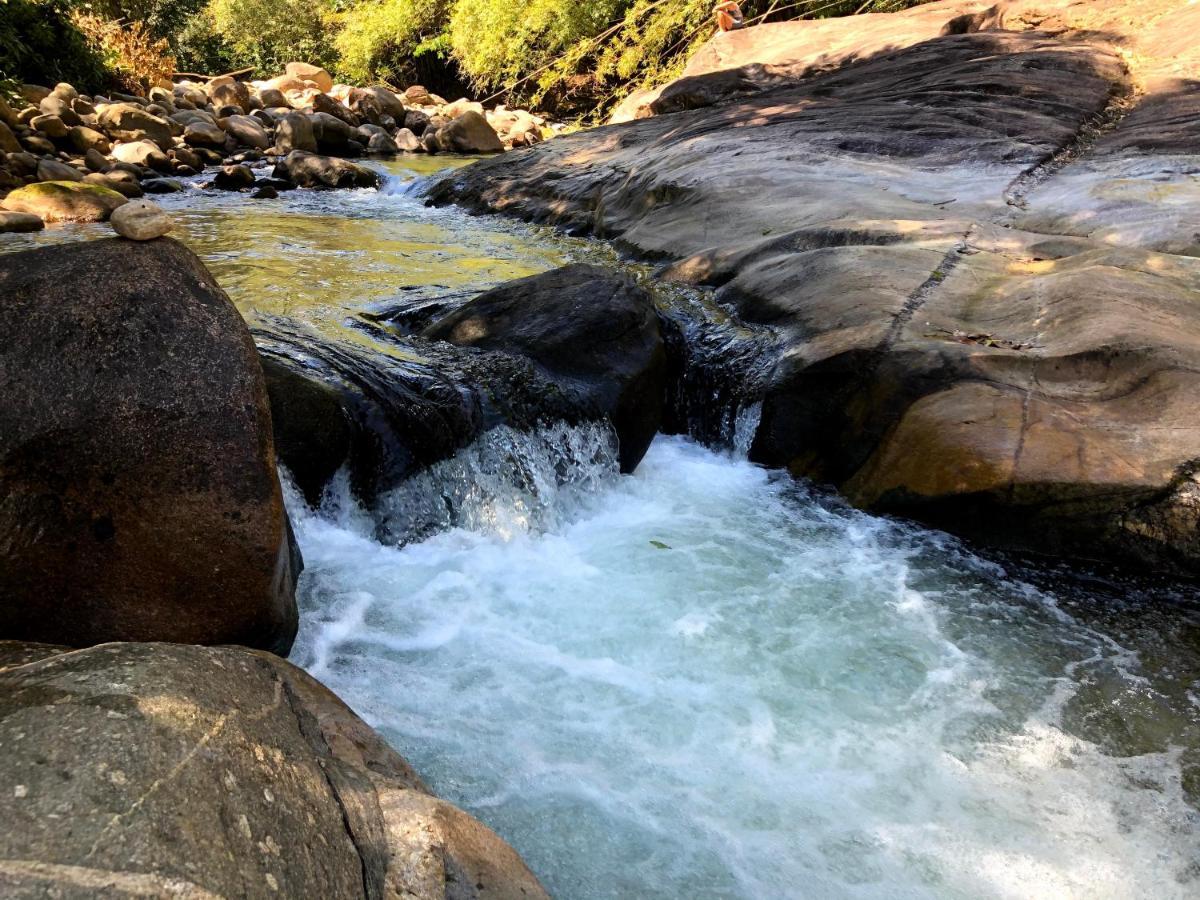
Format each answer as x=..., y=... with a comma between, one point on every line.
x=35, y=143
x=162, y=186
x=234, y=178
x=408, y=142
x=265, y=193
x=23, y=163
x=204, y=134
x=469, y=133
x=187, y=157
x=122, y=182
x=95, y=160
x=381, y=143
x=247, y=130
x=64, y=201
x=130, y=122
x=142, y=153
x=140, y=221
x=273, y=786
x=306, y=72
x=53, y=170
x=7, y=116
x=388, y=103
x=19, y=221
x=84, y=139
x=585, y=326
x=57, y=107
x=228, y=91
x=962, y=334
x=332, y=134
x=311, y=170
x=294, y=132
x=418, y=96
x=136, y=461
x=8, y=140
x=323, y=103
x=272, y=97
x=51, y=126
x=462, y=105
x=33, y=93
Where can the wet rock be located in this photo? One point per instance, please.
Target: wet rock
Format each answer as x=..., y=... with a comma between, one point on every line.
x=140, y=221
x=19, y=221
x=162, y=186
x=967, y=336
x=234, y=178
x=64, y=201
x=265, y=193
x=469, y=133
x=123, y=183
x=310, y=170
x=136, y=463
x=332, y=134
x=204, y=134
x=586, y=327
x=248, y=779
x=382, y=144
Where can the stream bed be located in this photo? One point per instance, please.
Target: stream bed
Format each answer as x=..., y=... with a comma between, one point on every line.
x=706, y=680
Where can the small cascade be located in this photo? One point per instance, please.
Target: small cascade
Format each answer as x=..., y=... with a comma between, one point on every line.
x=718, y=367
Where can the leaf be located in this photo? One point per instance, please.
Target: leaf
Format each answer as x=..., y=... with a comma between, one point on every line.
x=660, y=545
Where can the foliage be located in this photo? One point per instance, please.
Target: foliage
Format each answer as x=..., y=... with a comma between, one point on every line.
x=268, y=34
x=136, y=58
x=40, y=44
x=200, y=48
x=379, y=39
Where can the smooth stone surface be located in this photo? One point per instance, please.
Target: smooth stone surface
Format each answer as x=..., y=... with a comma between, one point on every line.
x=65, y=201
x=140, y=220
x=19, y=221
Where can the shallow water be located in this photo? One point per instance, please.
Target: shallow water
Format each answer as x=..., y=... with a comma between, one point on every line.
x=705, y=680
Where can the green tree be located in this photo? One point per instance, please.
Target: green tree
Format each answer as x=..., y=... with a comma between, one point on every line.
x=267, y=34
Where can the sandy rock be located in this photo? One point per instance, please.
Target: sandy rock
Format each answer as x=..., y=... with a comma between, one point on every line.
x=140, y=220
x=418, y=96
x=20, y=221
x=306, y=72
x=460, y=106
x=131, y=386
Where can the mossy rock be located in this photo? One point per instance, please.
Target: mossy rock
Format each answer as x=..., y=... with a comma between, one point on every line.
x=65, y=201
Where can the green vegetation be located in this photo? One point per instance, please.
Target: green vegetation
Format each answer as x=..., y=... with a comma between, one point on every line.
x=576, y=56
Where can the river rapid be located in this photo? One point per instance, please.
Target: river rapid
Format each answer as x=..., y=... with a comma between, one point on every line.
x=707, y=680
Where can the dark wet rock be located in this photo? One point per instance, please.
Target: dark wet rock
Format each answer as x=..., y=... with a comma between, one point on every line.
x=19, y=221
x=311, y=170
x=265, y=193
x=217, y=772
x=976, y=327
x=162, y=186
x=294, y=132
x=469, y=133
x=590, y=329
x=234, y=178
x=137, y=471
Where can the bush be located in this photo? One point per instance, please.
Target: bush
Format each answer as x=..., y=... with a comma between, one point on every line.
x=268, y=34
x=40, y=44
x=136, y=59
x=381, y=39
x=199, y=48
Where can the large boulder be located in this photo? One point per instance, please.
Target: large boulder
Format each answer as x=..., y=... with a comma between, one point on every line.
x=294, y=132
x=314, y=74
x=469, y=133
x=137, y=473
x=970, y=238
x=64, y=201
x=154, y=770
x=310, y=170
x=228, y=91
x=130, y=122
x=247, y=131
x=142, y=153
x=590, y=330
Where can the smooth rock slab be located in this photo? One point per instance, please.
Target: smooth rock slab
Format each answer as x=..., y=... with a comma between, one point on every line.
x=19, y=221
x=158, y=770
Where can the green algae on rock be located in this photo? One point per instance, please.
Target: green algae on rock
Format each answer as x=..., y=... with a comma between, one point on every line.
x=65, y=201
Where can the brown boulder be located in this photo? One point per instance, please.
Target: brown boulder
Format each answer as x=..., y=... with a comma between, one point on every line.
x=140, y=498
x=314, y=74
x=469, y=133
x=294, y=132
x=217, y=772
x=130, y=122
x=64, y=201
x=310, y=170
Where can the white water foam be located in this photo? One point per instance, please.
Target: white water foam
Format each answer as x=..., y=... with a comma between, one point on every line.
x=701, y=681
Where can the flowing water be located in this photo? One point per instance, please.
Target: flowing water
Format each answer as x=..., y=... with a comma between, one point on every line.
x=705, y=680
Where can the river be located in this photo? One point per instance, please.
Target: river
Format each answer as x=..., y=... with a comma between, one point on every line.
x=706, y=680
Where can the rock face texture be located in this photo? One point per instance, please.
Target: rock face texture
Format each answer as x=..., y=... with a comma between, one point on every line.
x=176, y=771
x=972, y=228
x=138, y=491
x=577, y=344
x=585, y=327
